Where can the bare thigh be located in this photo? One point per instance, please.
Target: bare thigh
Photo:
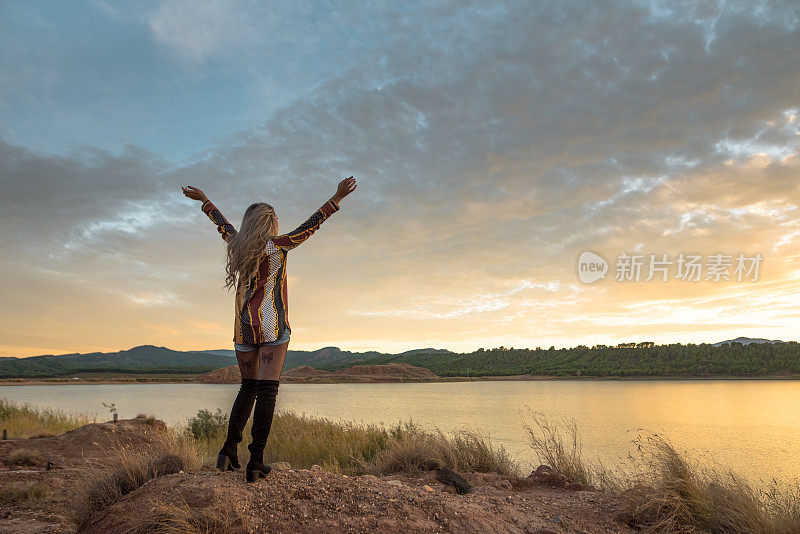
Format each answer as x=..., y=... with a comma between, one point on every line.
x=248, y=363
x=270, y=361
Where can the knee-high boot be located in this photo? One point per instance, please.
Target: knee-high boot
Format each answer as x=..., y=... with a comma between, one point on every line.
x=267, y=393
x=240, y=413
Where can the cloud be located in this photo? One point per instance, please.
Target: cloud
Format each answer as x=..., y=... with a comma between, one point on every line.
x=199, y=29
x=494, y=143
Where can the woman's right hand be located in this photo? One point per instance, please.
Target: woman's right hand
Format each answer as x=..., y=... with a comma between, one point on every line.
x=346, y=186
x=194, y=193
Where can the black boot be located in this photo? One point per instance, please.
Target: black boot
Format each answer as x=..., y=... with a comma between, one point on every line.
x=240, y=413
x=262, y=421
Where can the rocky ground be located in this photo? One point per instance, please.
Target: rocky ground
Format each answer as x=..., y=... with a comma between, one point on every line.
x=289, y=500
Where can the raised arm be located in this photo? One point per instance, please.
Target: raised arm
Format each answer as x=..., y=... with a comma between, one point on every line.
x=225, y=228
x=305, y=230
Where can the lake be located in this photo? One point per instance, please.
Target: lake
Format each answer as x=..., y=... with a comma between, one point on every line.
x=750, y=426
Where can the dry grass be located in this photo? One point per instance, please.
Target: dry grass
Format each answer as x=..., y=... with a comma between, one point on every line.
x=26, y=457
x=672, y=494
x=149, y=419
x=665, y=492
x=16, y=493
x=344, y=447
x=559, y=446
x=412, y=449
x=170, y=454
x=358, y=448
x=181, y=518
x=26, y=421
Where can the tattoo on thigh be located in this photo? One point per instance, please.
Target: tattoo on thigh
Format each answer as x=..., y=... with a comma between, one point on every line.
x=267, y=357
x=247, y=364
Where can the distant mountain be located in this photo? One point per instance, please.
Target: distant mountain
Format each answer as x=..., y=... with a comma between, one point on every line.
x=152, y=359
x=754, y=357
x=145, y=358
x=333, y=356
x=747, y=341
x=297, y=358
x=221, y=352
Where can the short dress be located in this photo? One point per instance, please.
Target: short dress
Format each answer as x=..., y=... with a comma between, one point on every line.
x=262, y=304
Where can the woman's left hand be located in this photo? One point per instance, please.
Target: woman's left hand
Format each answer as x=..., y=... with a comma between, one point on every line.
x=346, y=186
x=194, y=193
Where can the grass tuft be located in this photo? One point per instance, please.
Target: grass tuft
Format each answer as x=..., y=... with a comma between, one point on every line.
x=26, y=457
x=180, y=518
x=672, y=494
x=170, y=454
x=26, y=421
x=559, y=446
x=16, y=493
x=148, y=419
x=413, y=449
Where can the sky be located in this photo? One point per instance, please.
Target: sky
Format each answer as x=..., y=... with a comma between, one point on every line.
x=493, y=142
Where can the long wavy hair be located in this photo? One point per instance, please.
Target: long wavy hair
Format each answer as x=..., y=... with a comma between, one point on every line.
x=246, y=247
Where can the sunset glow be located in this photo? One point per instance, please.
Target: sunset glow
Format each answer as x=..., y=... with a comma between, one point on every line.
x=493, y=144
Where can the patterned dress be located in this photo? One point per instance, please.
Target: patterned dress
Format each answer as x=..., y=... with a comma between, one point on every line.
x=262, y=304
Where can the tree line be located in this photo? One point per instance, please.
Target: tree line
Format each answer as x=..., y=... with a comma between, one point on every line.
x=642, y=359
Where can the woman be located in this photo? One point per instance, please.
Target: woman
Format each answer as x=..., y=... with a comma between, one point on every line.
x=256, y=267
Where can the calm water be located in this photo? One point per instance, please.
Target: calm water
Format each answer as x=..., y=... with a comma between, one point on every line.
x=751, y=426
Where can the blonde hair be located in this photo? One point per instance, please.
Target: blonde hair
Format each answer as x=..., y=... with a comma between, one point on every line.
x=246, y=247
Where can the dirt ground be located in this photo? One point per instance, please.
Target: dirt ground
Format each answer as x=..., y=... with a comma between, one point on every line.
x=288, y=500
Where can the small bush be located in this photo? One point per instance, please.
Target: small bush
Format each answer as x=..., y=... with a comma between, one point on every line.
x=27, y=457
x=207, y=426
x=149, y=419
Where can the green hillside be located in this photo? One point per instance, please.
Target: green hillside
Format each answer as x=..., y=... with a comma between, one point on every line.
x=644, y=359
x=675, y=360
x=148, y=359
x=316, y=358
x=143, y=359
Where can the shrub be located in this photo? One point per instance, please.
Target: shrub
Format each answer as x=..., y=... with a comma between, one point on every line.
x=207, y=426
x=149, y=419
